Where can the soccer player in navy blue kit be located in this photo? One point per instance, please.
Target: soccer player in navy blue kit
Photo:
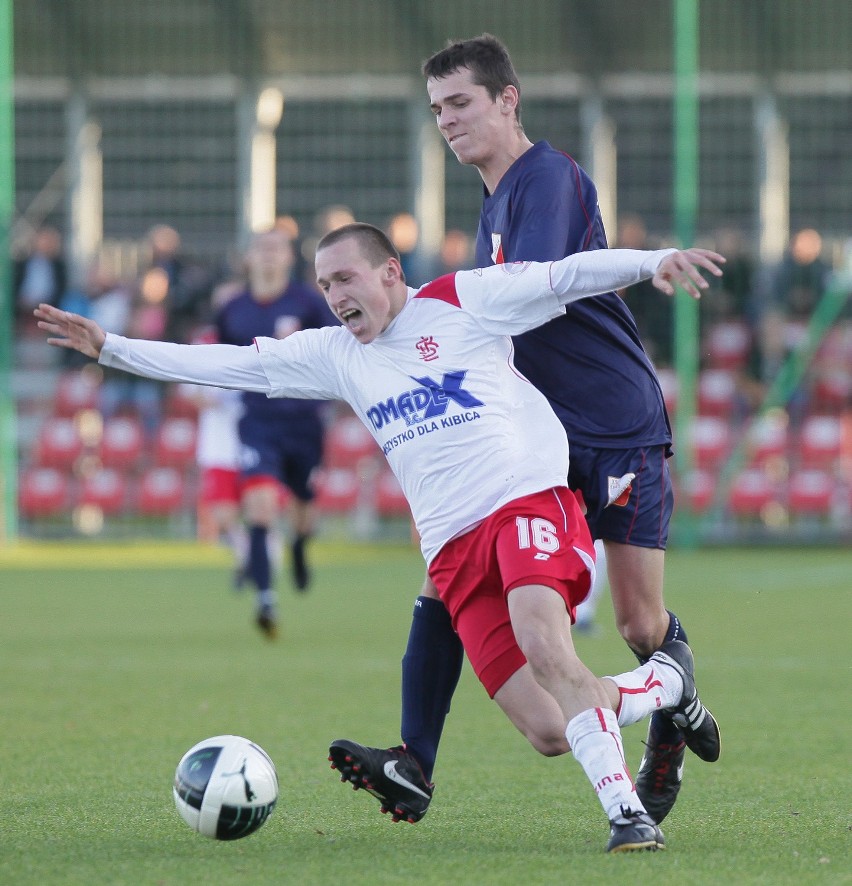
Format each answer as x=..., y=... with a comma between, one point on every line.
x=281, y=440
x=539, y=205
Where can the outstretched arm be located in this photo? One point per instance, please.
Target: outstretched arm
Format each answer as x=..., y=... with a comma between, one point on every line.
x=591, y=273
x=224, y=366
x=682, y=269
x=512, y=298
x=67, y=330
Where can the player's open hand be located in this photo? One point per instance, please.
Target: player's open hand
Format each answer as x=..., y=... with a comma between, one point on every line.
x=67, y=330
x=681, y=269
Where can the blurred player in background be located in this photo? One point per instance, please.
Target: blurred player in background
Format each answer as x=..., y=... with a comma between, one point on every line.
x=281, y=440
x=482, y=460
x=587, y=611
x=538, y=205
x=218, y=451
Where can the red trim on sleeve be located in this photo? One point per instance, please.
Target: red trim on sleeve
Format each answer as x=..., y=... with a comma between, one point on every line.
x=444, y=289
x=579, y=189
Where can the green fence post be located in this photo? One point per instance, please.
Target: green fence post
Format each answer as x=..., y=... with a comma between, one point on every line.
x=685, y=213
x=8, y=435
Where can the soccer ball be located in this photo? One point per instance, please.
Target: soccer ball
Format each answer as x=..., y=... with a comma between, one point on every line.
x=225, y=787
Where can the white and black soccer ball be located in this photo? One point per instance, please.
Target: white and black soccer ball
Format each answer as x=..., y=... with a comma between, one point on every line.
x=225, y=787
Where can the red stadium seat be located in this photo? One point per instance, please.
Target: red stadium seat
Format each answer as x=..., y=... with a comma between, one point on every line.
x=710, y=437
x=717, y=390
x=727, y=344
x=698, y=487
x=59, y=444
x=820, y=441
x=811, y=491
x=122, y=443
x=348, y=443
x=162, y=491
x=76, y=391
x=751, y=491
x=767, y=438
x=390, y=502
x=337, y=490
x=107, y=489
x=44, y=492
x=832, y=389
x=670, y=386
x=175, y=443
x=181, y=402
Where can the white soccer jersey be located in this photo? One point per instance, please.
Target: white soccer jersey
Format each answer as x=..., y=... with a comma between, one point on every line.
x=218, y=439
x=462, y=430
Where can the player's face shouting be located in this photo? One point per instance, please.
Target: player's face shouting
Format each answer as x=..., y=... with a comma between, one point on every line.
x=365, y=299
x=471, y=122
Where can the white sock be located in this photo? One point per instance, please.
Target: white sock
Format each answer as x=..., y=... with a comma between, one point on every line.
x=646, y=689
x=267, y=597
x=595, y=741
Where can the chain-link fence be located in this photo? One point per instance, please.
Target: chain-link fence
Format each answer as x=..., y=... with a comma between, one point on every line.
x=129, y=117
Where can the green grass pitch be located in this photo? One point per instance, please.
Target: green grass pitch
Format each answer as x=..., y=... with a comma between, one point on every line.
x=114, y=661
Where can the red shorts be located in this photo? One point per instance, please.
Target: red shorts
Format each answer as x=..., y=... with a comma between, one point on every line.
x=539, y=539
x=219, y=486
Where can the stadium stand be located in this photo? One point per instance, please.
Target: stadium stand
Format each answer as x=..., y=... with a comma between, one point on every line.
x=698, y=488
x=44, y=492
x=390, y=502
x=811, y=492
x=711, y=440
x=751, y=491
x=162, y=491
x=727, y=345
x=122, y=444
x=175, y=442
x=348, y=443
x=338, y=490
x=767, y=438
x=105, y=488
x=76, y=391
x=717, y=389
x=59, y=443
x=819, y=443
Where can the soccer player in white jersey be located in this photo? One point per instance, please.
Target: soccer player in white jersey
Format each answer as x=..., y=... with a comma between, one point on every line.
x=482, y=460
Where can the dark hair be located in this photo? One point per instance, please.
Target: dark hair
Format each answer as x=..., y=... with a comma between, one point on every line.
x=374, y=244
x=484, y=56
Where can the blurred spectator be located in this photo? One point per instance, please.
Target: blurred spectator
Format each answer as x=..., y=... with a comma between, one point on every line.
x=652, y=310
x=102, y=298
x=290, y=227
x=788, y=294
x=801, y=277
x=455, y=254
x=186, y=283
x=41, y=275
x=404, y=233
x=329, y=218
x=113, y=304
x=731, y=296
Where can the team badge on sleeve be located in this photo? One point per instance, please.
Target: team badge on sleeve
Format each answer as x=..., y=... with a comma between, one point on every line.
x=497, y=249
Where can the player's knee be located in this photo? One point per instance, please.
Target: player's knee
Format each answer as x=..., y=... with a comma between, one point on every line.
x=549, y=742
x=643, y=635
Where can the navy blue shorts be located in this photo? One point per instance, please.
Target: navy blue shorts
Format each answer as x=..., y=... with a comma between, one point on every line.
x=286, y=449
x=640, y=517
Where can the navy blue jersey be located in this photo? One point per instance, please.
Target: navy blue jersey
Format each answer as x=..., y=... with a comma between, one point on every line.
x=243, y=319
x=590, y=364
